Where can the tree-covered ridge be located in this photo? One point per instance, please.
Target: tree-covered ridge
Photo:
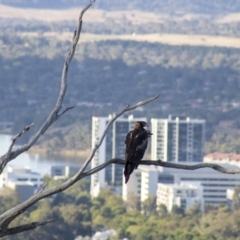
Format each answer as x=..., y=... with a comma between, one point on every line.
x=121, y=22
x=14, y=46
x=199, y=82
x=195, y=81
x=77, y=214
x=167, y=6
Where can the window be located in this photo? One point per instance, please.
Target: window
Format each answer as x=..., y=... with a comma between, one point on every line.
x=22, y=179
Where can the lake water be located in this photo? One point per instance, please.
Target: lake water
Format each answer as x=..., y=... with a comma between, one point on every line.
x=36, y=162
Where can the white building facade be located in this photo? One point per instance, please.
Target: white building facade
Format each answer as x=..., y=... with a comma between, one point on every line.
x=20, y=174
x=133, y=187
x=113, y=146
x=22, y=180
x=62, y=172
x=214, y=184
x=184, y=195
x=142, y=183
x=178, y=139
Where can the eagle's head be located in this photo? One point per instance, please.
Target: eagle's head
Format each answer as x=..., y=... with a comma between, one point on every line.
x=140, y=124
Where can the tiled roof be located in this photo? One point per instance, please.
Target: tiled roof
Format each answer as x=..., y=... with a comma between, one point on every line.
x=223, y=156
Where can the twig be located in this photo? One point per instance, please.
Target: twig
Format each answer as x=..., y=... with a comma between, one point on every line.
x=11, y=214
x=126, y=109
x=54, y=115
x=7, y=217
x=65, y=110
x=25, y=227
x=5, y=160
x=163, y=164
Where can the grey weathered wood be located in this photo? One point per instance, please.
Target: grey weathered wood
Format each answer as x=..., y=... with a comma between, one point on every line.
x=25, y=227
x=55, y=114
x=161, y=163
x=7, y=217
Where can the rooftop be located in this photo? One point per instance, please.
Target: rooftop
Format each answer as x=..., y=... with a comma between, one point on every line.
x=223, y=156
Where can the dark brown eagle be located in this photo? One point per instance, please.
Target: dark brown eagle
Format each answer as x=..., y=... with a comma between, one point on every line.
x=135, y=145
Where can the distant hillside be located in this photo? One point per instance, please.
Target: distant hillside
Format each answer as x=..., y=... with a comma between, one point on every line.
x=167, y=6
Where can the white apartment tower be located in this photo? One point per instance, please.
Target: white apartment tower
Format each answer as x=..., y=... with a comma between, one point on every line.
x=113, y=146
x=177, y=139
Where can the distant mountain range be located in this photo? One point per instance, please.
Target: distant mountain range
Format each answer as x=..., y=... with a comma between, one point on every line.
x=166, y=6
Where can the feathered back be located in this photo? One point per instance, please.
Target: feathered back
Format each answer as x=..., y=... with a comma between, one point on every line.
x=136, y=145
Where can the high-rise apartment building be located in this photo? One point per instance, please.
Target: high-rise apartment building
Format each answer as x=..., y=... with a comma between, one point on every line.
x=113, y=146
x=177, y=139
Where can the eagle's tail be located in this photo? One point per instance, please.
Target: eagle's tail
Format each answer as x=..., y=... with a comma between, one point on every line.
x=129, y=168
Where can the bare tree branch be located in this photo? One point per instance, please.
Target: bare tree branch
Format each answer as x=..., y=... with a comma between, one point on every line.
x=54, y=115
x=4, y=161
x=10, y=215
x=121, y=162
x=163, y=164
x=126, y=109
x=25, y=227
x=7, y=217
x=65, y=110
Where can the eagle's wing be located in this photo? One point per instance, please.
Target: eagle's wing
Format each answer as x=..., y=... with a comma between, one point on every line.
x=136, y=145
x=136, y=150
x=143, y=140
x=141, y=147
x=128, y=143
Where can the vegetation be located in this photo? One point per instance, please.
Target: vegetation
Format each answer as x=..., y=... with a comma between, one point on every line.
x=200, y=82
x=196, y=81
x=75, y=138
x=223, y=143
x=167, y=6
x=78, y=214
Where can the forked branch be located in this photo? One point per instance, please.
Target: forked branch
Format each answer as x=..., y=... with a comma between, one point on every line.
x=160, y=163
x=55, y=114
x=6, y=159
x=25, y=227
x=7, y=217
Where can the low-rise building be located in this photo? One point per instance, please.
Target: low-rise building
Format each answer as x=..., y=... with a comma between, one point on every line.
x=142, y=183
x=219, y=158
x=61, y=172
x=133, y=187
x=15, y=174
x=183, y=195
x=214, y=183
x=230, y=194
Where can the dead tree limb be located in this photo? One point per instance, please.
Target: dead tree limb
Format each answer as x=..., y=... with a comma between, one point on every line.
x=25, y=227
x=7, y=217
x=160, y=163
x=6, y=159
x=55, y=114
